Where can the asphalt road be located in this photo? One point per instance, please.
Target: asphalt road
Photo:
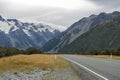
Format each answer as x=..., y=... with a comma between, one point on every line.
x=95, y=68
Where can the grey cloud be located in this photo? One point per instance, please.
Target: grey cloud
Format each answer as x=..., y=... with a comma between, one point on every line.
x=66, y=18
x=107, y=3
x=2, y=7
x=58, y=16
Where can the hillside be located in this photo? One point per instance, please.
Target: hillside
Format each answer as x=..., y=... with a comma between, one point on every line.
x=82, y=26
x=101, y=37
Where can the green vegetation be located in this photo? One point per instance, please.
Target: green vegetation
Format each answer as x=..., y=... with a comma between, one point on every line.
x=100, y=38
x=50, y=44
x=9, y=51
x=114, y=51
x=32, y=50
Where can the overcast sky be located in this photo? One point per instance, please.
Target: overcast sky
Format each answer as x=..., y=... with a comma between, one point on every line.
x=58, y=12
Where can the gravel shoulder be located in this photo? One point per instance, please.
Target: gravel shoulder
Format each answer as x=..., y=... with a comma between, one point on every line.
x=61, y=74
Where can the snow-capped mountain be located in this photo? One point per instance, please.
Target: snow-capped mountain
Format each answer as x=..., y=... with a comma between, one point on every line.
x=23, y=35
x=81, y=27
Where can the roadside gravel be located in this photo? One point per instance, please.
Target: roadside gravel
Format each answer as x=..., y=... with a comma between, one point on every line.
x=33, y=75
x=61, y=74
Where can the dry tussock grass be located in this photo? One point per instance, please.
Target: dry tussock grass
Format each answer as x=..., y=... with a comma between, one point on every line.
x=30, y=62
x=108, y=56
x=105, y=56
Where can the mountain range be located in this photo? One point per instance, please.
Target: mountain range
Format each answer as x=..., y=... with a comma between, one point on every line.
x=14, y=33
x=89, y=33
x=96, y=32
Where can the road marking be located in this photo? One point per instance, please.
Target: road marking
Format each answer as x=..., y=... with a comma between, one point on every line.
x=86, y=68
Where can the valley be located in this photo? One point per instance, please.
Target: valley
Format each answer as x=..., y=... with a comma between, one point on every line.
x=89, y=49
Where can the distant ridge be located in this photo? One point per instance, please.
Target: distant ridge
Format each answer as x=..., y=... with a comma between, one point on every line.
x=15, y=33
x=72, y=39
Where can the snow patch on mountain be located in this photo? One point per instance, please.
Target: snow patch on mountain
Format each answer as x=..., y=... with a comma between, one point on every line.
x=24, y=34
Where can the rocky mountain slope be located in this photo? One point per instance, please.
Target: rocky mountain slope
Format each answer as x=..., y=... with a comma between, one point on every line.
x=103, y=36
x=23, y=35
x=82, y=26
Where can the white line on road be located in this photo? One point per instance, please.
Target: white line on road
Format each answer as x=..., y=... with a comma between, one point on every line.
x=87, y=68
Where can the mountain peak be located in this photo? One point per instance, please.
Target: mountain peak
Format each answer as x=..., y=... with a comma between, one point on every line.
x=82, y=26
x=14, y=20
x=1, y=17
x=102, y=14
x=93, y=15
x=116, y=13
x=23, y=35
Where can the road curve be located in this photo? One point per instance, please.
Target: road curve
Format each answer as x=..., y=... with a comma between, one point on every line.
x=102, y=69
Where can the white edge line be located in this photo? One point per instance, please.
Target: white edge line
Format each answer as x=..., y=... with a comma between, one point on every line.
x=86, y=68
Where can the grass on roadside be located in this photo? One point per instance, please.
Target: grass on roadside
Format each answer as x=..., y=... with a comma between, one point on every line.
x=108, y=56
x=30, y=62
x=105, y=56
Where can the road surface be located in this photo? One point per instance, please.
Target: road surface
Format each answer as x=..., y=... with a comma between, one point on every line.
x=95, y=68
